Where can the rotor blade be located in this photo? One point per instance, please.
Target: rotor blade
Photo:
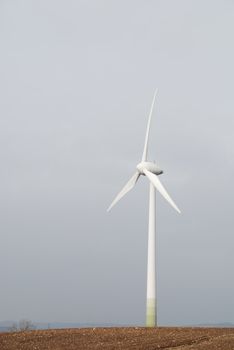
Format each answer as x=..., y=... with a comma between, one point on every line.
x=158, y=185
x=129, y=185
x=145, y=152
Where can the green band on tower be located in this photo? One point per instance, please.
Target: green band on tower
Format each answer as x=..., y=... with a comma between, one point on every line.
x=151, y=313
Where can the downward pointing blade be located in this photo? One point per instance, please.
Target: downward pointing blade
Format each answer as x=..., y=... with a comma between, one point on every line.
x=145, y=152
x=158, y=185
x=129, y=185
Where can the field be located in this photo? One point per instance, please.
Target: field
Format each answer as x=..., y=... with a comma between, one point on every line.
x=121, y=338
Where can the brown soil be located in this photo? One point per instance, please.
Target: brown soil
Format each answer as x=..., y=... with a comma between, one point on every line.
x=121, y=338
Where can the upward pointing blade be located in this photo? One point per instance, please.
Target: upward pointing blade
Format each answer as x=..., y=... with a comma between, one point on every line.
x=158, y=185
x=145, y=152
x=129, y=185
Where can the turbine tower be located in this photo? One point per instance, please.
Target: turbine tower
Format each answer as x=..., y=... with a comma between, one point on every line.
x=151, y=171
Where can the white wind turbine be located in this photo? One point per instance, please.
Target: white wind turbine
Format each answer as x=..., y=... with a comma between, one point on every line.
x=151, y=171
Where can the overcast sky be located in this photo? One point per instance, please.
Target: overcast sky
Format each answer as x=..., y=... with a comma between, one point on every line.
x=76, y=84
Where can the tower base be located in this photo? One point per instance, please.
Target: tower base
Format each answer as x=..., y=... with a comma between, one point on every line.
x=150, y=313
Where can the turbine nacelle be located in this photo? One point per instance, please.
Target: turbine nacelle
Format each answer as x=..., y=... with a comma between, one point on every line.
x=150, y=167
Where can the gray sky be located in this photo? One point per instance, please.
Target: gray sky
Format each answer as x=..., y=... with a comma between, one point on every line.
x=76, y=83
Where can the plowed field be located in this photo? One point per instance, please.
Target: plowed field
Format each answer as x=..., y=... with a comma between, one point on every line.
x=121, y=338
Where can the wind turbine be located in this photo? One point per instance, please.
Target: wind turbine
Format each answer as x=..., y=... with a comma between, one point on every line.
x=151, y=171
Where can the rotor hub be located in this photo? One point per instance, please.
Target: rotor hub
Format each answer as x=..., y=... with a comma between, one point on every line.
x=150, y=167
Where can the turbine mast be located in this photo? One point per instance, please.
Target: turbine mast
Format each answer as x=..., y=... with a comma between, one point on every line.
x=151, y=313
